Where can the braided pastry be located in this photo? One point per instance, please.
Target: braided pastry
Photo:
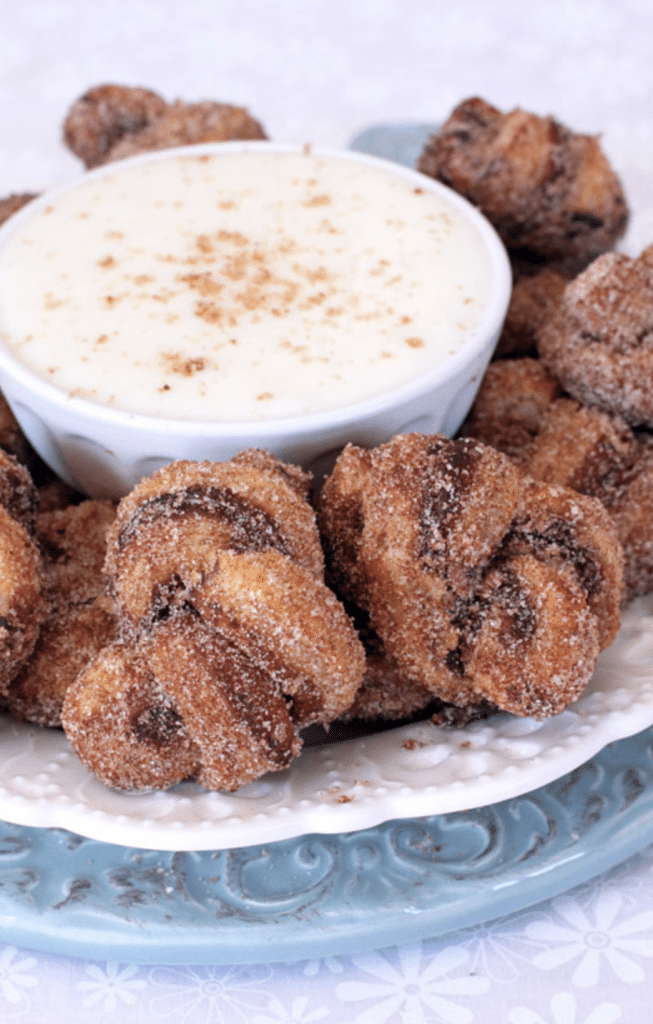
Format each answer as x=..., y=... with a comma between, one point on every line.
x=598, y=343
x=168, y=529
x=11, y=204
x=521, y=410
x=550, y=192
x=79, y=614
x=230, y=640
x=534, y=300
x=21, y=602
x=484, y=586
x=110, y=122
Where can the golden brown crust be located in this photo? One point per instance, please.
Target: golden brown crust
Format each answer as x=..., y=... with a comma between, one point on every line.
x=631, y=506
x=384, y=693
x=21, y=605
x=291, y=624
x=387, y=694
x=597, y=454
x=100, y=118
x=185, y=124
x=17, y=492
x=447, y=546
x=168, y=531
x=110, y=122
x=21, y=599
x=230, y=640
x=80, y=618
x=547, y=190
x=533, y=302
x=233, y=709
x=510, y=407
x=598, y=343
x=123, y=727
x=11, y=204
x=521, y=410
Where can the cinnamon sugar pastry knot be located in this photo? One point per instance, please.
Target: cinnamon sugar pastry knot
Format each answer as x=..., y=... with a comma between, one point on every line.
x=110, y=122
x=550, y=192
x=11, y=204
x=21, y=603
x=185, y=702
x=12, y=439
x=387, y=694
x=485, y=587
x=186, y=124
x=521, y=410
x=79, y=615
x=533, y=302
x=511, y=405
x=599, y=343
x=168, y=530
x=100, y=118
x=230, y=640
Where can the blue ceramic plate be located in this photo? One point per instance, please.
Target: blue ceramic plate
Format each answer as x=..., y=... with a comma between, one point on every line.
x=317, y=896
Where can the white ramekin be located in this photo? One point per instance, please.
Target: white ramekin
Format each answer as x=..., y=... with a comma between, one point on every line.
x=104, y=451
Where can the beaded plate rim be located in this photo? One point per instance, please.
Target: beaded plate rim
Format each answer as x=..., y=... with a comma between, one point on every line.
x=413, y=770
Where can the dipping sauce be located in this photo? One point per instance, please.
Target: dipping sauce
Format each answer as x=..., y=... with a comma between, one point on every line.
x=240, y=286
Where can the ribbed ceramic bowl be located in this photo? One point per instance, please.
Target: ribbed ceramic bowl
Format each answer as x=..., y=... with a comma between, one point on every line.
x=104, y=451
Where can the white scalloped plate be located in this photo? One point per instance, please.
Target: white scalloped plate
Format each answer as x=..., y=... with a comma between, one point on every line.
x=408, y=771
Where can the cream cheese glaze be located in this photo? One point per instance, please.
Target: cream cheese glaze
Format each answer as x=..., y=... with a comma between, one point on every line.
x=236, y=286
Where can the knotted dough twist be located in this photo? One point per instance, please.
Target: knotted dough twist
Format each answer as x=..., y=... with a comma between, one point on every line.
x=21, y=599
x=230, y=640
x=484, y=585
x=521, y=410
x=598, y=342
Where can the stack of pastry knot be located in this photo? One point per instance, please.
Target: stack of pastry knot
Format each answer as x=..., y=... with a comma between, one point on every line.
x=194, y=631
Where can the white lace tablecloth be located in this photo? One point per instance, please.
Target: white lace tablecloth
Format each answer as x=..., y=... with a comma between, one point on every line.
x=320, y=71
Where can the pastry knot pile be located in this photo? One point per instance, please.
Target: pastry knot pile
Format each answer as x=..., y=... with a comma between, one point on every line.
x=229, y=640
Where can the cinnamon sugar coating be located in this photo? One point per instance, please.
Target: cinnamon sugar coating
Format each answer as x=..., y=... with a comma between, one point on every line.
x=12, y=439
x=11, y=204
x=184, y=124
x=295, y=629
x=169, y=528
x=230, y=641
x=17, y=492
x=21, y=601
x=110, y=122
x=104, y=115
x=521, y=410
x=80, y=617
x=484, y=586
x=387, y=694
x=549, y=191
x=21, y=609
x=124, y=727
x=510, y=406
x=534, y=300
x=599, y=343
